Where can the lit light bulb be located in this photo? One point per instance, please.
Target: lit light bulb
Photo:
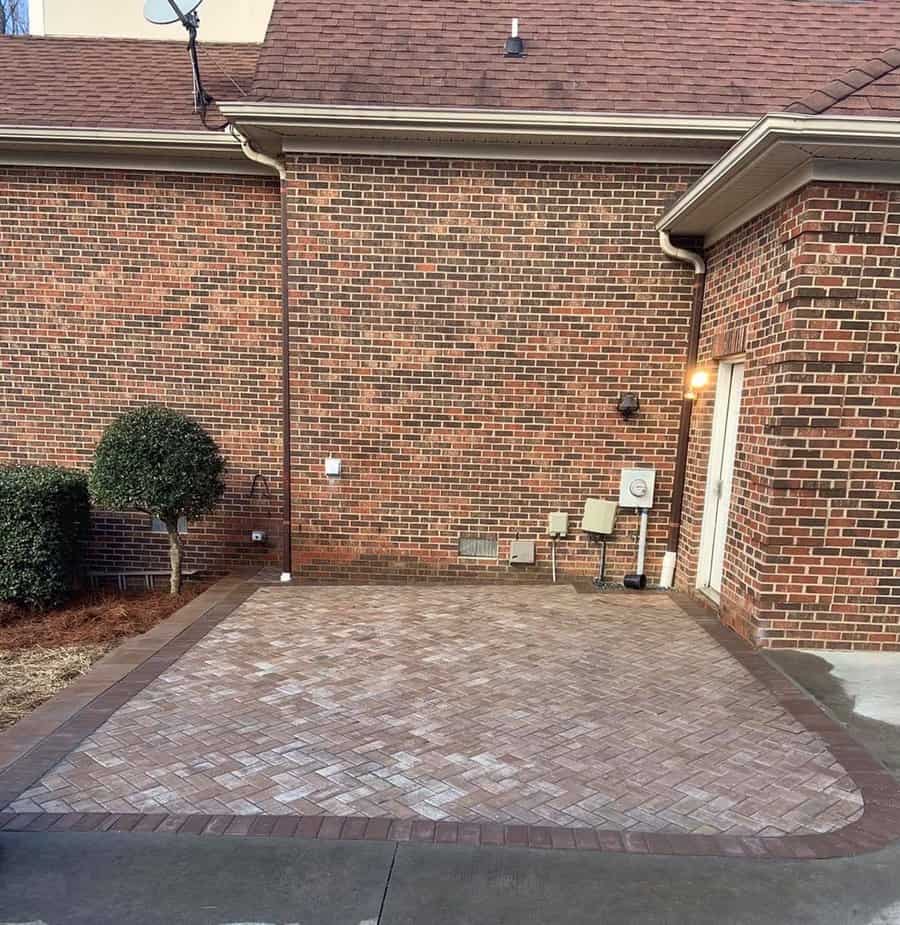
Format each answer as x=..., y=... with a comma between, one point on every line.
x=699, y=379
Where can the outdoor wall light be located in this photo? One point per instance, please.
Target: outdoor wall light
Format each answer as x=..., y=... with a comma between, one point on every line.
x=699, y=380
x=629, y=405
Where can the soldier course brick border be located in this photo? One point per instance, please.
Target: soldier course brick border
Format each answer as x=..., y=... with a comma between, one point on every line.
x=38, y=742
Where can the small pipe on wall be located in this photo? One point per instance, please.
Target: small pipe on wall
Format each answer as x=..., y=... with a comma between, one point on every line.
x=670, y=561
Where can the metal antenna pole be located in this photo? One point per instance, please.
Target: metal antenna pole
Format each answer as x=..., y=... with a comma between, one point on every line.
x=190, y=22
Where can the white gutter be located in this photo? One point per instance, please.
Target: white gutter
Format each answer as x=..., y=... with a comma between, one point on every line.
x=116, y=137
x=106, y=148
x=521, y=121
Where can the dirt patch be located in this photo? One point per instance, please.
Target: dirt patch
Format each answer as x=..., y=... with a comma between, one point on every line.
x=29, y=677
x=42, y=652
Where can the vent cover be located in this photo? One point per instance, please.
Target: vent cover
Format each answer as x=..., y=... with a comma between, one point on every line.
x=478, y=547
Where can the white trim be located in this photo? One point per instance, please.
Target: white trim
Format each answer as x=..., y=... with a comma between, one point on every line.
x=117, y=136
x=606, y=153
x=188, y=151
x=797, y=178
x=484, y=133
x=793, y=150
x=36, y=21
x=159, y=163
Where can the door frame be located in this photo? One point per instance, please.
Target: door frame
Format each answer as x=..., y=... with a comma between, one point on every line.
x=716, y=448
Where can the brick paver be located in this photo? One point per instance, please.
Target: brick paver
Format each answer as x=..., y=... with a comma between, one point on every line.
x=509, y=704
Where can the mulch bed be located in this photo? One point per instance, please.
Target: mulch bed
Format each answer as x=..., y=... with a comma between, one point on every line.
x=42, y=651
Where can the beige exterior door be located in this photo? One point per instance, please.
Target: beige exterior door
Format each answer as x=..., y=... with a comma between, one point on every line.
x=720, y=475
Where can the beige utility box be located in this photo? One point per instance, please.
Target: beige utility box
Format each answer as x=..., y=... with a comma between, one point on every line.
x=558, y=523
x=599, y=516
x=521, y=552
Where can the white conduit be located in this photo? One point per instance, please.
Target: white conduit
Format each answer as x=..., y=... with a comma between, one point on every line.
x=642, y=541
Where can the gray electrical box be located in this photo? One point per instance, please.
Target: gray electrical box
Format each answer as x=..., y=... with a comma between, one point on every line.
x=636, y=489
x=521, y=552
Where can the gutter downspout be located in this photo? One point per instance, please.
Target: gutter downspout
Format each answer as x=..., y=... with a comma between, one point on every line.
x=670, y=561
x=286, y=517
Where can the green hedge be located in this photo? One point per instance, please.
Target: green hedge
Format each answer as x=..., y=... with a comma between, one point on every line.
x=44, y=520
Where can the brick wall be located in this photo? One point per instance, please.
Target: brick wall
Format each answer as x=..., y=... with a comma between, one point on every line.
x=812, y=552
x=119, y=289
x=462, y=333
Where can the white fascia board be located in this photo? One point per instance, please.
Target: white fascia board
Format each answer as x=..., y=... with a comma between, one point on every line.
x=146, y=149
x=793, y=142
x=289, y=119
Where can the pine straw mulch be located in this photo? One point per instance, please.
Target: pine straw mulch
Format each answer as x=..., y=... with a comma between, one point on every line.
x=41, y=652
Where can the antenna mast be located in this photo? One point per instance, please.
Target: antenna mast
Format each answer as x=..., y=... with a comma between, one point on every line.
x=163, y=12
x=191, y=22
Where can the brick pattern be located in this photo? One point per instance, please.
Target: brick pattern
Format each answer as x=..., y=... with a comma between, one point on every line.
x=518, y=706
x=812, y=549
x=118, y=289
x=463, y=331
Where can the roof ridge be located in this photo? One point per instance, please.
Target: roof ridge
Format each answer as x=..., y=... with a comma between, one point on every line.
x=857, y=78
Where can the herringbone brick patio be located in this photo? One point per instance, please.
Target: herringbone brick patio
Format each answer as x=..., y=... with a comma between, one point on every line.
x=510, y=704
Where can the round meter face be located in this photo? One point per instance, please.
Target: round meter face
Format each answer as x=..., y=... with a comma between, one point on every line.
x=638, y=488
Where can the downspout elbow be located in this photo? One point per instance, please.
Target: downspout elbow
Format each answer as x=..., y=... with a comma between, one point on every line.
x=681, y=253
x=258, y=156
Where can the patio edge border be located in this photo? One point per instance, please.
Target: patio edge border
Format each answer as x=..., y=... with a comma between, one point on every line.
x=40, y=741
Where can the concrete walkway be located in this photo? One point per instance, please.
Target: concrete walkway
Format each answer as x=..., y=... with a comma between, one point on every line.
x=505, y=704
x=126, y=879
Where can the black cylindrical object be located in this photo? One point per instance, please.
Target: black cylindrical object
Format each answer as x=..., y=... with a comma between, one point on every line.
x=636, y=582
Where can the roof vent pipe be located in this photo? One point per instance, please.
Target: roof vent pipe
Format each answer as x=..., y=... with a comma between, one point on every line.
x=515, y=46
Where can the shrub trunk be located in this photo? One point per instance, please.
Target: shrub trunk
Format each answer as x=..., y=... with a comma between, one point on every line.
x=176, y=552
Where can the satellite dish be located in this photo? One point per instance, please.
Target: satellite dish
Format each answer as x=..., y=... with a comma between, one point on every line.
x=163, y=12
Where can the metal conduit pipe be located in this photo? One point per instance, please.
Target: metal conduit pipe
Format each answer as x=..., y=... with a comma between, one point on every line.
x=286, y=517
x=670, y=561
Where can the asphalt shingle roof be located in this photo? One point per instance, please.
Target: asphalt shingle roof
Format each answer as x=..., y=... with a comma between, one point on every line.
x=703, y=57
x=706, y=57
x=114, y=83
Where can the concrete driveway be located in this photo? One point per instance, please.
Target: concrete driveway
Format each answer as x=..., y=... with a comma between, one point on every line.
x=488, y=703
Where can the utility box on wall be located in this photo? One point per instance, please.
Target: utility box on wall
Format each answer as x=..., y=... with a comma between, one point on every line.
x=521, y=552
x=636, y=488
x=599, y=516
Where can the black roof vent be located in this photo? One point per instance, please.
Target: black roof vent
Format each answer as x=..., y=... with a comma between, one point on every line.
x=515, y=46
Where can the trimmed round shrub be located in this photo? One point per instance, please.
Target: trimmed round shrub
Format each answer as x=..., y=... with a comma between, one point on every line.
x=158, y=461
x=44, y=523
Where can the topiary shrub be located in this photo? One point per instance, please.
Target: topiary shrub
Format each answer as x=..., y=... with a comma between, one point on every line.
x=44, y=521
x=160, y=462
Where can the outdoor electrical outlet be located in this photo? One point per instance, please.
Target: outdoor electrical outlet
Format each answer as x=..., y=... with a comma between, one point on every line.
x=332, y=467
x=258, y=536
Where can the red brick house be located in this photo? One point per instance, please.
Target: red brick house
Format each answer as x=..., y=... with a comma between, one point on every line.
x=465, y=259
